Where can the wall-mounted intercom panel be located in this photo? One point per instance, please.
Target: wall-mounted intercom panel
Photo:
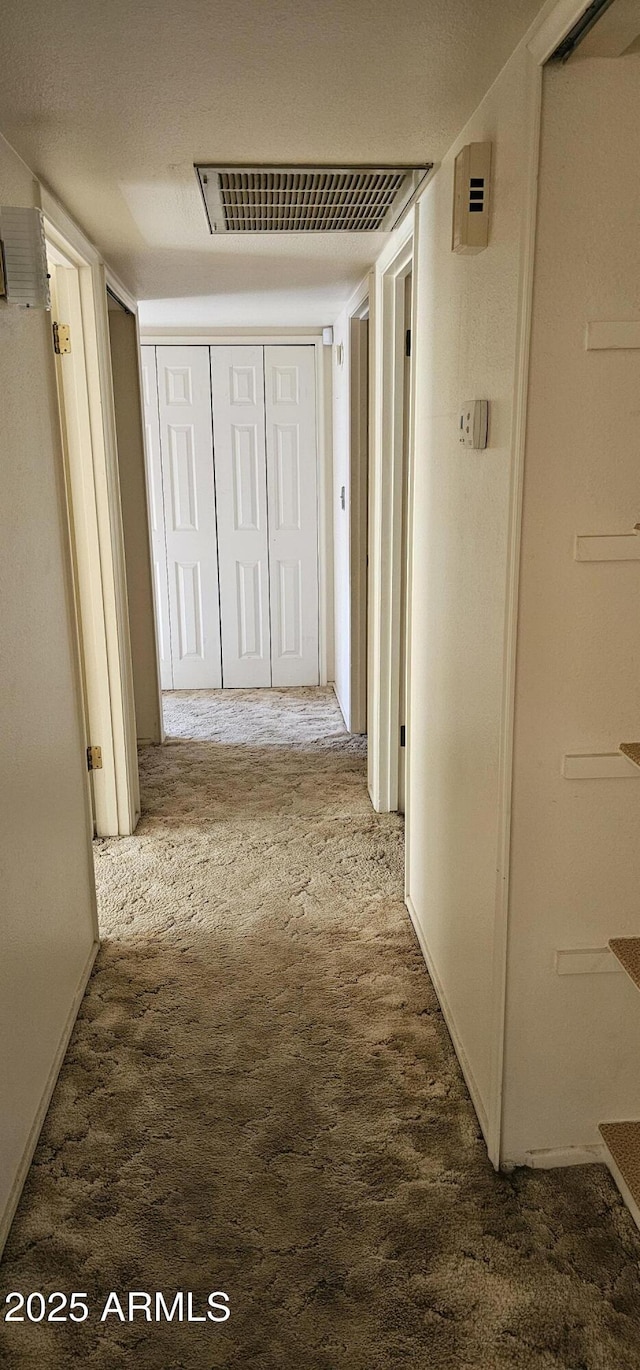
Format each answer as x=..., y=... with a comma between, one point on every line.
x=471, y=198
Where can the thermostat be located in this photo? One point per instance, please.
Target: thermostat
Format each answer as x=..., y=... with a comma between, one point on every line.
x=474, y=424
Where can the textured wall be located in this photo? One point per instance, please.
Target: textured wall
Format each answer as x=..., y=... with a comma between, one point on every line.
x=47, y=904
x=364, y=82
x=572, y=1041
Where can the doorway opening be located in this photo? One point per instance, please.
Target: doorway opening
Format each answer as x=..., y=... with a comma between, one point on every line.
x=236, y=486
x=390, y=533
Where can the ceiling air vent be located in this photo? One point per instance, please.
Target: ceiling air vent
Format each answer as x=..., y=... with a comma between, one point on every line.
x=307, y=199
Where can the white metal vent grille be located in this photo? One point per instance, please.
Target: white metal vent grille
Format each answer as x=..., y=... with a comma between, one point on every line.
x=307, y=199
x=25, y=257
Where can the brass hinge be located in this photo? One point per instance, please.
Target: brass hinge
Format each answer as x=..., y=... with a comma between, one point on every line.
x=94, y=758
x=407, y=343
x=403, y=735
x=61, y=339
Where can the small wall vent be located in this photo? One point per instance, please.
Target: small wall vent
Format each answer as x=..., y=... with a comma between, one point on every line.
x=24, y=257
x=307, y=199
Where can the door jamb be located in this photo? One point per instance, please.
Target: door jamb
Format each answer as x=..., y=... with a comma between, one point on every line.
x=386, y=344
x=358, y=511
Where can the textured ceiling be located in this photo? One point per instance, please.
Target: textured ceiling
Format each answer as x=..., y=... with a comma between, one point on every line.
x=111, y=103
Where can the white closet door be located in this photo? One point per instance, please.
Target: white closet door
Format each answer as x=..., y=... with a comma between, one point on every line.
x=184, y=393
x=237, y=375
x=156, y=513
x=293, y=517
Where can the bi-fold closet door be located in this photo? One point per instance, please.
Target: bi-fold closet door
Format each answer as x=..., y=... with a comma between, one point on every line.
x=184, y=535
x=231, y=448
x=237, y=384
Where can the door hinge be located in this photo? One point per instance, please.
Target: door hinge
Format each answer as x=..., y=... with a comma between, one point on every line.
x=94, y=758
x=407, y=343
x=403, y=735
x=61, y=339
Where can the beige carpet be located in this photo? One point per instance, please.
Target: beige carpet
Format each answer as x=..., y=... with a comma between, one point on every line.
x=261, y=1097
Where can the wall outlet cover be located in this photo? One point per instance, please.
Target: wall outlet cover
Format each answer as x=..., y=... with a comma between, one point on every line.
x=474, y=424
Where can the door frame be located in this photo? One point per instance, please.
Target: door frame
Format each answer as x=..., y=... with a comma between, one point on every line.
x=97, y=521
x=386, y=426
x=256, y=337
x=359, y=353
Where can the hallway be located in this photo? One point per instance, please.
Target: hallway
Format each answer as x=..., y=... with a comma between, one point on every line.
x=261, y=1097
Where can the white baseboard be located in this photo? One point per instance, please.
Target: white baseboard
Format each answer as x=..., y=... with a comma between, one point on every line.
x=342, y=711
x=7, y=1217
x=552, y=1158
x=599, y=766
x=476, y=1097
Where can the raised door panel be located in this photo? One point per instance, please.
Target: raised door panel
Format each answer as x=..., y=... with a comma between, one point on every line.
x=183, y=477
x=293, y=513
x=184, y=391
x=156, y=513
x=238, y=420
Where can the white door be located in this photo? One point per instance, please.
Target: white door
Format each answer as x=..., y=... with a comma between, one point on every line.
x=184, y=395
x=237, y=376
x=293, y=519
x=156, y=512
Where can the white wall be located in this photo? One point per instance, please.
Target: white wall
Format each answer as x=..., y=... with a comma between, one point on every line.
x=304, y=309
x=465, y=339
x=572, y=1042
x=47, y=917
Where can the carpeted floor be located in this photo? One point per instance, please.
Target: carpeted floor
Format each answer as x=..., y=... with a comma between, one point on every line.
x=260, y=1097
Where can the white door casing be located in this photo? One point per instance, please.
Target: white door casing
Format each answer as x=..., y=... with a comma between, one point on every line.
x=156, y=512
x=237, y=378
x=184, y=393
x=293, y=519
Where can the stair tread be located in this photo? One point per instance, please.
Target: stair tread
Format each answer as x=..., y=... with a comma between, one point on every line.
x=627, y=950
x=632, y=750
x=623, y=1142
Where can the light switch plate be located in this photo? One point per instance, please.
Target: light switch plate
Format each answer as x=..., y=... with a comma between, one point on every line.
x=474, y=424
